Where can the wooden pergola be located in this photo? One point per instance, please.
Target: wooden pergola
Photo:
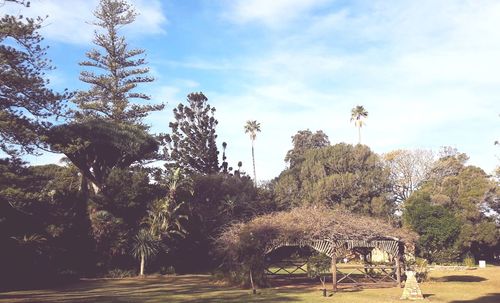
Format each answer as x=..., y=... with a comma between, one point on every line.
x=331, y=232
x=336, y=248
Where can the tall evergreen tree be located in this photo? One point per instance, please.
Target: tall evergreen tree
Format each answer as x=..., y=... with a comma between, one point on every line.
x=121, y=69
x=252, y=128
x=27, y=104
x=192, y=143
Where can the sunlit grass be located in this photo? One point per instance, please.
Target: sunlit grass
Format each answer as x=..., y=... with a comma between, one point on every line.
x=481, y=285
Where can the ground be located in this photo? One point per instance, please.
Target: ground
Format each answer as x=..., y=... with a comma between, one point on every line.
x=480, y=285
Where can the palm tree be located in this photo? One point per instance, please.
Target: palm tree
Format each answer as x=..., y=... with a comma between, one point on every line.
x=252, y=128
x=144, y=247
x=358, y=113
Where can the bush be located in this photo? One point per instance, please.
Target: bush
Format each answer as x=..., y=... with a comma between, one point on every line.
x=420, y=267
x=469, y=260
x=120, y=273
x=170, y=270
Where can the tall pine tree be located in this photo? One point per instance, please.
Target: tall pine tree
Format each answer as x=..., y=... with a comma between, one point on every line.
x=27, y=104
x=192, y=144
x=122, y=69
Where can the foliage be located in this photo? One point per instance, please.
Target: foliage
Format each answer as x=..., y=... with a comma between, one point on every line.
x=121, y=70
x=303, y=141
x=44, y=229
x=27, y=104
x=166, y=216
x=97, y=145
x=109, y=234
x=212, y=202
x=467, y=194
x=192, y=143
x=437, y=226
x=350, y=176
x=317, y=266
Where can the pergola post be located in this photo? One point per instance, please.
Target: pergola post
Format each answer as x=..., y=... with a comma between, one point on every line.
x=398, y=269
x=334, y=272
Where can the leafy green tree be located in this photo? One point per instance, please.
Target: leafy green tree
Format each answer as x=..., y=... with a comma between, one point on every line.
x=192, y=143
x=437, y=226
x=27, y=105
x=302, y=141
x=470, y=195
x=252, y=127
x=121, y=69
x=340, y=175
x=317, y=266
x=358, y=114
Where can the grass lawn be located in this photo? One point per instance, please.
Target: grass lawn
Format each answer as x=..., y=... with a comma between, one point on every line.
x=481, y=285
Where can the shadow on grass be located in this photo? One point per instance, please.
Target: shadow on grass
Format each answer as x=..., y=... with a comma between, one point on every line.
x=174, y=289
x=489, y=298
x=459, y=278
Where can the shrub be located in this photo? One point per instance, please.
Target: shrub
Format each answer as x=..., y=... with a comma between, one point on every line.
x=119, y=273
x=420, y=267
x=170, y=270
x=469, y=260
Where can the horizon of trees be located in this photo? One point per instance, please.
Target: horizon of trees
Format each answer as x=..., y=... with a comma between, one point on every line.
x=107, y=211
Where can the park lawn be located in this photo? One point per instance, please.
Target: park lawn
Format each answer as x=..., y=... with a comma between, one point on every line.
x=481, y=285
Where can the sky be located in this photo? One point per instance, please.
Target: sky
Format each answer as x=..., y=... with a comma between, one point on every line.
x=427, y=72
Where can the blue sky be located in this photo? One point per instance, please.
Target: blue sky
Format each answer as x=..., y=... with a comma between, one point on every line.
x=428, y=72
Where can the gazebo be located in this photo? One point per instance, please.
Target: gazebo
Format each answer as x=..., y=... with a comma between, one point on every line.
x=327, y=231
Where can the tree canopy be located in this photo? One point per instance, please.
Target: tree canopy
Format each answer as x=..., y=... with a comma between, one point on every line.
x=350, y=176
x=303, y=141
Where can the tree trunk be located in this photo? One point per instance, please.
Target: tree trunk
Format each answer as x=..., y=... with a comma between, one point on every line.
x=253, y=160
x=359, y=134
x=141, y=271
x=251, y=282
x=398, y=270
x=334, y=273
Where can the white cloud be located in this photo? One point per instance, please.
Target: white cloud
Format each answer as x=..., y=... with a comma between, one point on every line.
x=276, y=13
x=70, y=21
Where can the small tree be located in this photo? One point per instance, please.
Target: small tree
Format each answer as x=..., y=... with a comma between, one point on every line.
x=145, y=247
x=317, y=265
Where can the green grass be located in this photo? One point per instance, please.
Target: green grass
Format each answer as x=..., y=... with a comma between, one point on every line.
x=481, y=286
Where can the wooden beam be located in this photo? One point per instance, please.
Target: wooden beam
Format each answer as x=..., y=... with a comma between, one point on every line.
x=334, y=272
x=398, y=270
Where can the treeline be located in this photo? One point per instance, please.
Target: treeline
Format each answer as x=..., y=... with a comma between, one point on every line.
x=108, y=212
